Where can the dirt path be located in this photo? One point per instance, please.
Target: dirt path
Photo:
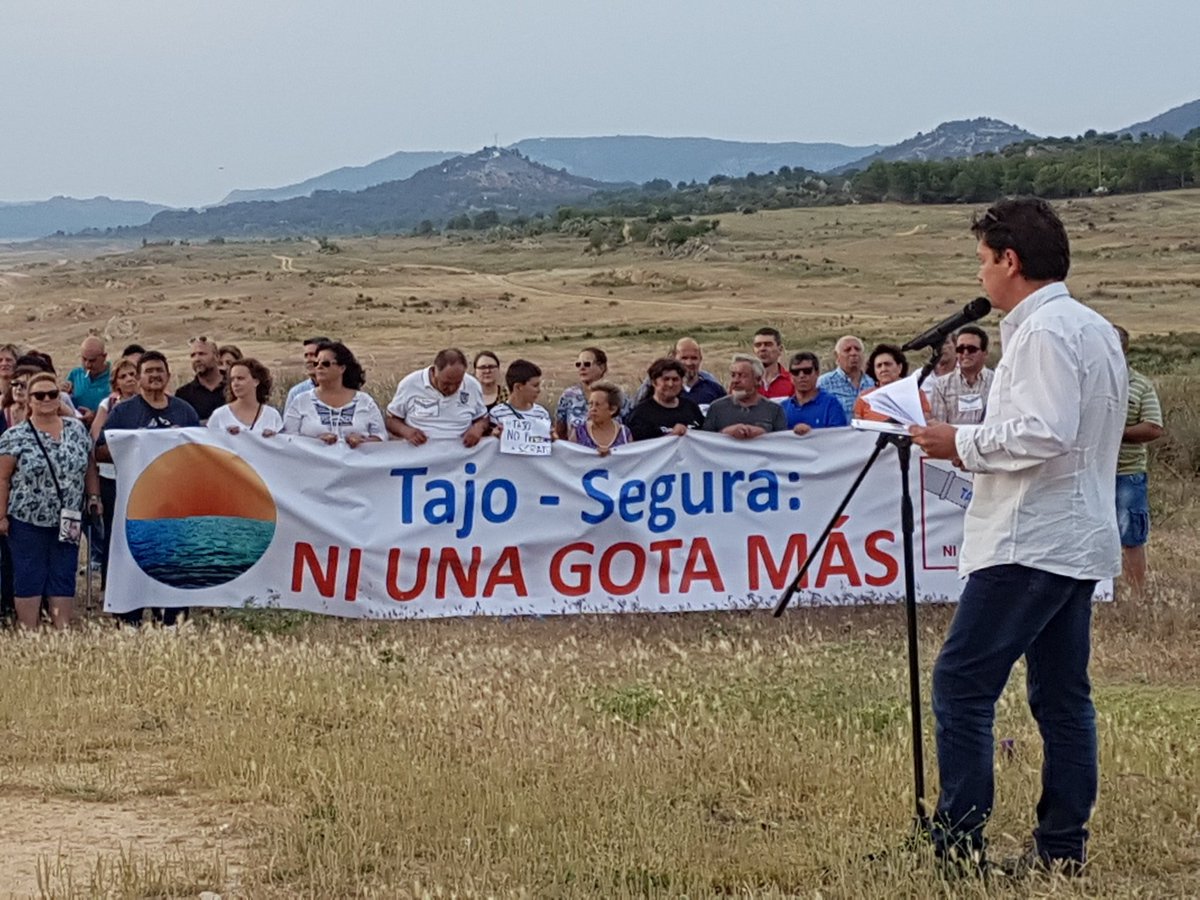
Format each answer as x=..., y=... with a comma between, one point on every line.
x=70, y=834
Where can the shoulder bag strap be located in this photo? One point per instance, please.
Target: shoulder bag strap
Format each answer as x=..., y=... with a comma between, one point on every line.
x=42, y=447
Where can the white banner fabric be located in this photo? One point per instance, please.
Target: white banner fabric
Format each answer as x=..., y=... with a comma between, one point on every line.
x=702, y=522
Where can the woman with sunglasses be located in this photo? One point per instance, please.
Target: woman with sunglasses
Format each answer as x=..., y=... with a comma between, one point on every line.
x=887, y=363
x=572, y=410
x=16, y=398
x=487, y=373
x=249, y=390
x=46, y=468
x=336, y=409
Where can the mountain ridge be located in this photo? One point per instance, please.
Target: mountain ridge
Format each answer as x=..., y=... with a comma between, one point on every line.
x=490, y=179
x=954, y=139
x=1178, y=121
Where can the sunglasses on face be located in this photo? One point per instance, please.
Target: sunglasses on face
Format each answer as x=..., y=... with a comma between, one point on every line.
x=967, y=348
x=802, y=370
x=19, y=385
x=584, y=365
x=326, y=363
x=44, y=395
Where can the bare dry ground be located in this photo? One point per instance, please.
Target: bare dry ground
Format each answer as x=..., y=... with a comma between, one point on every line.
x=265, y=755
x=814, y=273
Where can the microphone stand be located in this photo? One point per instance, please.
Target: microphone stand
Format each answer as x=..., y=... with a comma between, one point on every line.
x=903, y=445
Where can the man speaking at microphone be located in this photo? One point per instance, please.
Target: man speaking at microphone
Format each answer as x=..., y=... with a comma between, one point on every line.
x=1039, y=533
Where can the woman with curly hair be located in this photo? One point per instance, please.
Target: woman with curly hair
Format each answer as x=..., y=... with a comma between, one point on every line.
x=336, y=409
x=248, y=390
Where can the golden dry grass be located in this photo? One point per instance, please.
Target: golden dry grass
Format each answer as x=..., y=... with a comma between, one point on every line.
x=881, y=271
x=266, y=755
x=695, y=755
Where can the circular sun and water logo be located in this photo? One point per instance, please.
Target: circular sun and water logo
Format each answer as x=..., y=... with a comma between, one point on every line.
x=198, y=517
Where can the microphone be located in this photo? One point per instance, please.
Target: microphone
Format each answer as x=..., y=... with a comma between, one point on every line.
x=935, y=336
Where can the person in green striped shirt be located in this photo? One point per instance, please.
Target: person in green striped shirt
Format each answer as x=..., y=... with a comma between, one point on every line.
x=1143, y=424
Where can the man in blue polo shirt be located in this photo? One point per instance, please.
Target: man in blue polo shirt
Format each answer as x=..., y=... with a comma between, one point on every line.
x=88, y=384
x=810, y=407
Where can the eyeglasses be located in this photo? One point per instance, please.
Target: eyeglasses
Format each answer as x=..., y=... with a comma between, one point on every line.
x=584, y=365
x=802, y=370
x=44, y=395
x=326, y=363
x=966, y=348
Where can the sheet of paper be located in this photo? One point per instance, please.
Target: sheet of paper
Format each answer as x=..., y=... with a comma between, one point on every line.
x=900, y=400
x=885, y=427
x=526, y=437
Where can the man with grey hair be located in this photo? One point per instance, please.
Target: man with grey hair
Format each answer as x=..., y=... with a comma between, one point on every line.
x=745, y=413
x=847, y=380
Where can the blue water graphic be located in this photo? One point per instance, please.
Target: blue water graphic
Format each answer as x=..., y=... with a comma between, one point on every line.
x=199, y=551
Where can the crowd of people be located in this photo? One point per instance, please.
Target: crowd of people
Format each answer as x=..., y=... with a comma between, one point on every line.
x=44, y=469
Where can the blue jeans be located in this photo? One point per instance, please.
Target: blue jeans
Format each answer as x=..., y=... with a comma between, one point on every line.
x=1133, y=509
x=1006, y=612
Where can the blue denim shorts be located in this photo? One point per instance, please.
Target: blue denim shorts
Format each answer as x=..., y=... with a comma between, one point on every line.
x=43, y=566
x=1133, y=509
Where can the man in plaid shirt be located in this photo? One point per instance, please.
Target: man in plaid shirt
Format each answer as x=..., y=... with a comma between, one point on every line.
x=960, y=397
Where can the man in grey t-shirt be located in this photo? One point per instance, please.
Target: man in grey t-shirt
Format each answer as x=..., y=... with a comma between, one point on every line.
x=745, y=413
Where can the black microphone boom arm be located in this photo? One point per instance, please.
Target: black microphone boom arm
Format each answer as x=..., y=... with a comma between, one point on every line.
x=976, y=309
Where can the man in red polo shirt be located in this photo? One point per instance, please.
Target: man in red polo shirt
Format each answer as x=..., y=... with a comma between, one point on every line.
x=776, y=381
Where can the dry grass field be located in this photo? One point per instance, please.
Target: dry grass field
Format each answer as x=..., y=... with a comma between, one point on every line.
x=276, y=755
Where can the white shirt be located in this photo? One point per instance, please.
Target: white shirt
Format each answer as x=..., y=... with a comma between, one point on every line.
x=310, y=417
x=297, y=389
x=105, y=470
x=223, y=418
x=1046, y=450
x=423, y=406
x=502, y=412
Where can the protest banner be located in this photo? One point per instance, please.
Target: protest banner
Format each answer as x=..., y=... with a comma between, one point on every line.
x=700, y=522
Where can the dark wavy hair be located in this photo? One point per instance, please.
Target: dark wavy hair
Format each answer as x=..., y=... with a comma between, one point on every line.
x=1031, y=228
x=887, y=350
x=259, y=373
x=354, y=376
x=663, y=365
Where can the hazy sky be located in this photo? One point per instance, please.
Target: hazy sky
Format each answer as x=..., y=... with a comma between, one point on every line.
x=180, y=101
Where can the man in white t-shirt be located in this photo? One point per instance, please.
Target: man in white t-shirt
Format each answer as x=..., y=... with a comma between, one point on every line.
x=439, y=401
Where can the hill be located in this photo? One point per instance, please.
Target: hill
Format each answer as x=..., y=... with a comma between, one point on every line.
x=950, y=140
x=1178, y=121
x=400, y=165
x=641, y=158
x=26, y=221
x=492, y=179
